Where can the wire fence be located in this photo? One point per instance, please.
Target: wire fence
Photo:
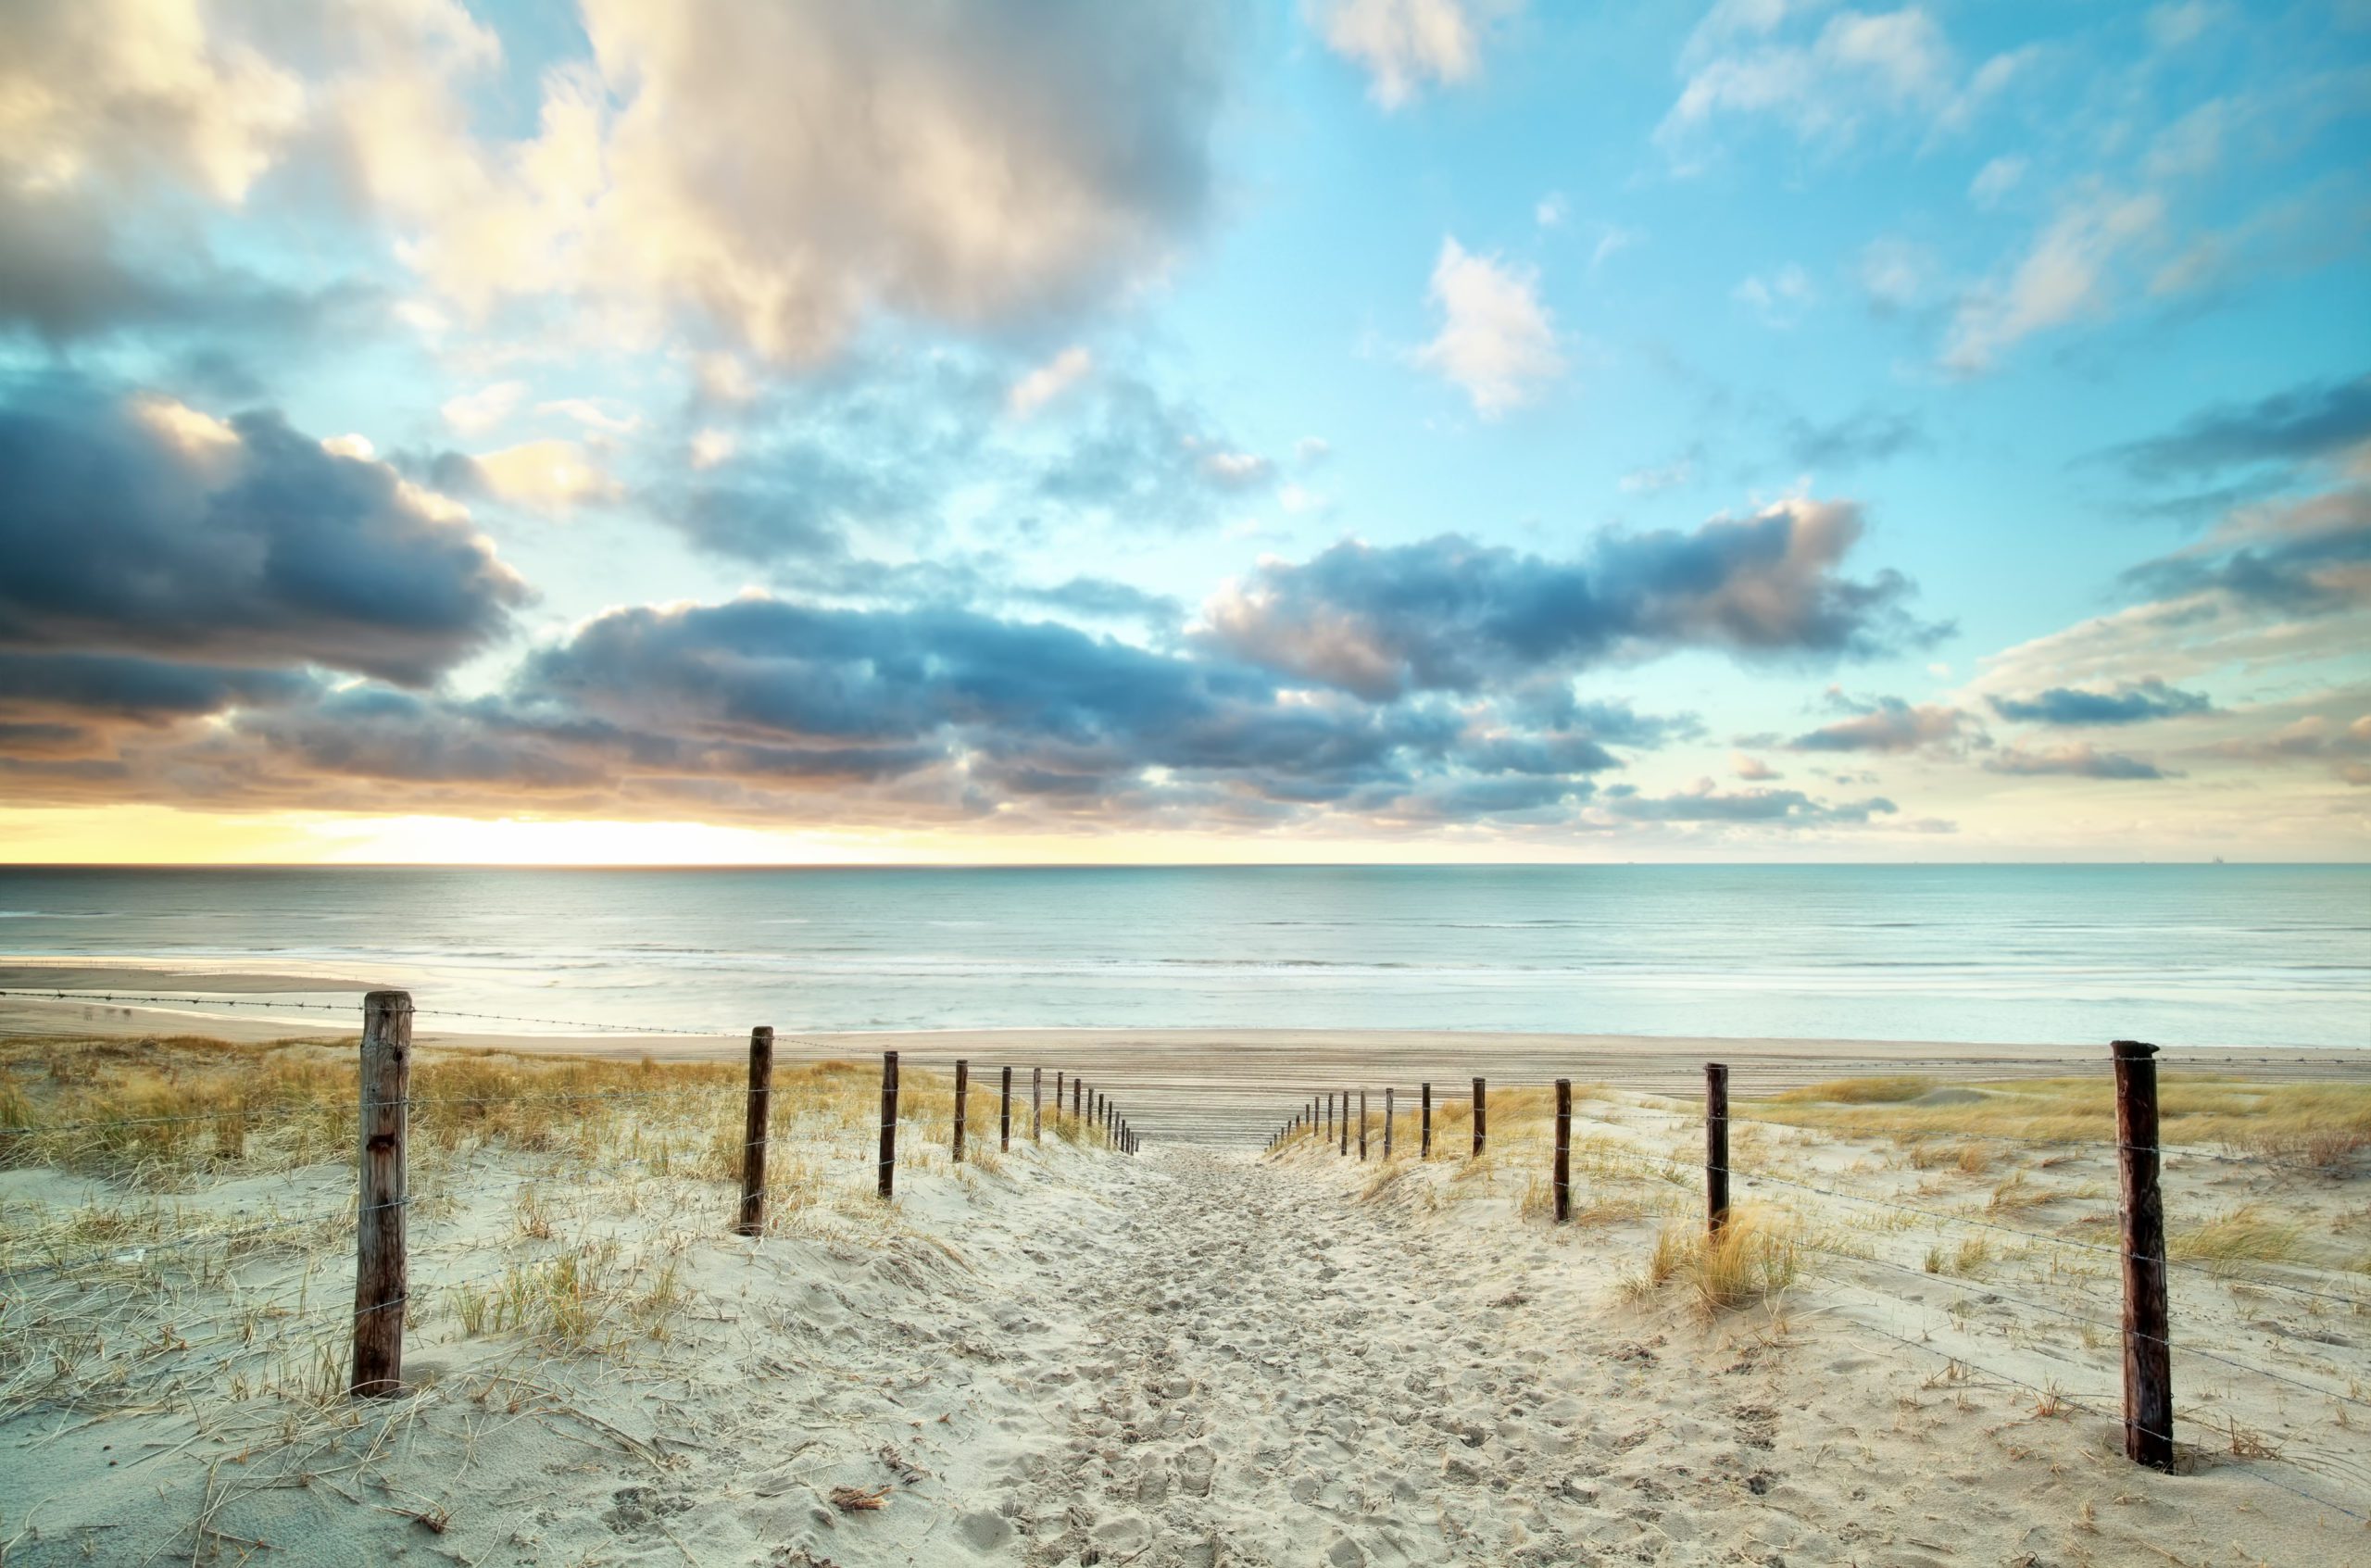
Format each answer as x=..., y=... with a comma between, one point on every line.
x=1819, y=1205
x=99, y=1301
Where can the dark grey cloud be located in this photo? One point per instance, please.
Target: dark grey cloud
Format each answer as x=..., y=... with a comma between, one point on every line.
x=1788, y=807
x=1140, y=456
x=2316, y=419
x=2131, y=702
x=138, y=528
x=1452, y=614
x=1871, y=436
x=2306, y=559
x=1891, y=725
x=2083, y=761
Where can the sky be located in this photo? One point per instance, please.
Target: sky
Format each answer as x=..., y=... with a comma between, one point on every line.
x=1051, y=430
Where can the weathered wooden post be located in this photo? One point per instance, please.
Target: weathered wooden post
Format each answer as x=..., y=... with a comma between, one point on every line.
x=1057, y=1097
x=381, y=1270
x=1346, y=1125
x=753, y=1143
x=888, y=1124
x=962, y=1103
x=2148, y=1351
x=1481, y=1109
x=1425, y=1150
x=1386, y=1123
x=1716, y=1147
x=1329, y=1118
x=1363, y=1126
x=1078, y=1093
x=1036, y=1098
x=1004, y=1115
x=1563, y=1149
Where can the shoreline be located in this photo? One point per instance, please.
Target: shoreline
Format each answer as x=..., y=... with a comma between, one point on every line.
x=1186, y=1084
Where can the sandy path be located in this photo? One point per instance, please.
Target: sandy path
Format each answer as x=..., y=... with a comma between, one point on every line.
x=1275, y=1375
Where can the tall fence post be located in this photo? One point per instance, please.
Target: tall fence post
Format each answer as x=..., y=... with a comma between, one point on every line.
x=962, y=1105
x=1037, y=1096
x=1386, y=1123
x=1363, y=1126
x=1058, y=1098
x=755, y=1122
x=1481, y=1115
x=1078, y=1092
x=888, y=1124
x=2148, y=1353
x=1425, y=1149
x=1716, y=1147
x=1346, y=1125
x=1004, y=1115
x=381, y=1271
x=1563, y=1149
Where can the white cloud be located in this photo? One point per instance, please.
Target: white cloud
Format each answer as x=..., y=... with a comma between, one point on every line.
x=110, y=91
x=1550, y=210
x=476, y=412
x=1752, y=767
x=1647, y=481
x=2063, y=276
x=778, y=171
x=1823, y=87
x=1402, y=45
x=1047, y=382
x=1613, y=242
x=1897, y=274
x=1781, y=298
x=710, y=448
x=594, y=413
x=1996, y=180
x=1497, y=341
x=550, y=475
x=1237, y=470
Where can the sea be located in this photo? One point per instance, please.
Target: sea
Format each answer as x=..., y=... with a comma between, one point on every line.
x=2195, y=955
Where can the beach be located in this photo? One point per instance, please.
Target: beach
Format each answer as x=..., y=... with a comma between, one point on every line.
x=1219, y=1351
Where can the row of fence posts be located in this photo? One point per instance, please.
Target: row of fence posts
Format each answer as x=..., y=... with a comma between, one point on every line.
x=382, y=1275
x=2148, y=1351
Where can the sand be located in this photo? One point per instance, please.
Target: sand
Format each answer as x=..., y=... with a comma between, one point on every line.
x=1205, y=1355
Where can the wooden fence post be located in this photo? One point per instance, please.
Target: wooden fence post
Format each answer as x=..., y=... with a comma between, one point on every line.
x=963, y=1107
x=1386, y=1123
x=1363, y=1126
x=1004, y=1115
x=889, y=1123
x=1481, y=1115
x=1037, y=1096
x=1716, y=1147
x=2147, y=1355
x=381, y=1270
x=1346, y=1125
x=1425, y=1150
x=1563, y=1149
x=1058, y=1098
x=753, y=1142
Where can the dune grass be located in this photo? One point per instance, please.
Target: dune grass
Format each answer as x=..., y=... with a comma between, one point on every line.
x=2314, y=1124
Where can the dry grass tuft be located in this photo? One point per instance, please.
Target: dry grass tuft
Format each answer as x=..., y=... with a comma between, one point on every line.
x=1858, y=1091
x=1751, y=1259
x=2243, y=1236
x=856, y=1499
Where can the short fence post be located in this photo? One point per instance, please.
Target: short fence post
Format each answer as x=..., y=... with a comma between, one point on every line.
x=1425, y=1150
x=1481, y=1115
x=963, y=1107
x=1386, y=1123
x=753, y=1142
x=1037, y=1096
x=1329, y=1118
x=1716, y=1147
x=889, y=1123
x=1363, y=1126
x=2148, y=1353
x=1563, y=1149
x=381, y=1270
x=1078, y=1091
x=1004, y=1115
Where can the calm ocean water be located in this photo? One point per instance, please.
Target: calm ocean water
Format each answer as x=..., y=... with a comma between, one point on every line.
x=2198, y=956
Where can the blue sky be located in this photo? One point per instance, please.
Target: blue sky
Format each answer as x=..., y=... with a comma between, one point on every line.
x=1373, y=428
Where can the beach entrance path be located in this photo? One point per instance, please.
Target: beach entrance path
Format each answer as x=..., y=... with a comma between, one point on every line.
x=1270, y=1374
